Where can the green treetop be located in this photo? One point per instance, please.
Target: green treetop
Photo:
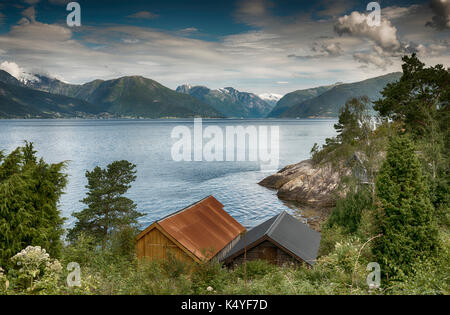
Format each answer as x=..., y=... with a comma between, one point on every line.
x=107, y=207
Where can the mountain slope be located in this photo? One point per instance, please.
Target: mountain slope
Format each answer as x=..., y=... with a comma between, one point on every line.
x=329, y=102
x=229, y=101
x=132, y=96
x=17, y=101
x=297, y=97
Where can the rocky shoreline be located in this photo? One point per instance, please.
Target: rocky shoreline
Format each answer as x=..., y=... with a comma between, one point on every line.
x=310, y=189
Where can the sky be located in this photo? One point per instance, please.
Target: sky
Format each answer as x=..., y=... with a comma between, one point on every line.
x=259, y=46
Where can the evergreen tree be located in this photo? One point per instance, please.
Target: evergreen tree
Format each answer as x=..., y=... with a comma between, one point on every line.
x=419, y=104
x=406, y=214
x=29, y=194
x=107, y=208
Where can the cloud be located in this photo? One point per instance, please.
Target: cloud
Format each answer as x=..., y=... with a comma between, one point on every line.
x=13, y=69
x=355, y=24
x=372, y=59
x=441, y=17
x=330, y=49
x=395, y=12
x=143, y=15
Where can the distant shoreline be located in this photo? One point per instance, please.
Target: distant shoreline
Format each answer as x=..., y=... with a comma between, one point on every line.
x=168, y=118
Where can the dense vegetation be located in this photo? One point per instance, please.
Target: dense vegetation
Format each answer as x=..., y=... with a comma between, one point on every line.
x=394, y=211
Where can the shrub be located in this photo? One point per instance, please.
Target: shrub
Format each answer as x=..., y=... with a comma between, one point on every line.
x=35, y=270
x=255, y=269
x=348, y=211
x=210, y=274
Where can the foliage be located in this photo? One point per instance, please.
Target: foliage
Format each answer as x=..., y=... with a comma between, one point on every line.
x=418, y=98
x=419, y=104
x=406, y=220
x=254, y=269
x=348, y=211
x=108, y=209
x=34, y=270
x=208, y=275
x=431, y=275
x=29, y=192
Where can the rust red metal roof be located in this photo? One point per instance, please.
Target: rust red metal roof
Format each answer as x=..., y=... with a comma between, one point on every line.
x=203, y=228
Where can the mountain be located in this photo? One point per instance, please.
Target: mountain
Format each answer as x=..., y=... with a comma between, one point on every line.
x=270, y=98
x=328, y=103
x=229, y=101
x=18, y=101
x=297, y=97
x=131, y=96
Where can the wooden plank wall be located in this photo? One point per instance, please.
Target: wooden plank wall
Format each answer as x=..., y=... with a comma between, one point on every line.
x=266, y=251
x=155, y=246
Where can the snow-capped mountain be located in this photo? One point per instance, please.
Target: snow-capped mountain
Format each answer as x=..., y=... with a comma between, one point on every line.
x=271, y=98
x=229, y=101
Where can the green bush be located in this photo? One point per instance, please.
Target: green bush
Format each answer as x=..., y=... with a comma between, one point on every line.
x=206, y=275
x=348, y=211
x=255, y=269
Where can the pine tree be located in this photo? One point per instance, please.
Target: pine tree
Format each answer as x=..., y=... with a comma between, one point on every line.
x=29, y=194
x=107, y=209
x=406, y=215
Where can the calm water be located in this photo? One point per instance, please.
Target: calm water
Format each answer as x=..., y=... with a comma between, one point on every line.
x=162, y=185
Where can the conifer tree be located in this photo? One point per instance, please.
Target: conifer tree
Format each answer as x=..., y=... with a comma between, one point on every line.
x=406, y=215
x=29, y=194
x=107, y=208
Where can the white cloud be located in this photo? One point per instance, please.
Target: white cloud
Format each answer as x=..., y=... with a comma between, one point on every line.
x=13, y=69
x=384, y=35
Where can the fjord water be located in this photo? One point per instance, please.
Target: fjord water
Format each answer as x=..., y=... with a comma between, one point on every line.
x=163, y=185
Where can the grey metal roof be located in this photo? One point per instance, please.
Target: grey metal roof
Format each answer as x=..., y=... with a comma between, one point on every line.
x=288, y=232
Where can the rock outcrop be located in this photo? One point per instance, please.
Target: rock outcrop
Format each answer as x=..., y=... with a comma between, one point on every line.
x=307, y=184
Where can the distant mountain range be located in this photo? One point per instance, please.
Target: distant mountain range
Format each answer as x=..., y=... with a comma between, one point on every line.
x=330, y=99
x=18, y=101
x=229, y=101
x=139, y=97
x=131, y=96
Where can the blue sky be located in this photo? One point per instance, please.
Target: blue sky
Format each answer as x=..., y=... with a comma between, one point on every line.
x=260, y=46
